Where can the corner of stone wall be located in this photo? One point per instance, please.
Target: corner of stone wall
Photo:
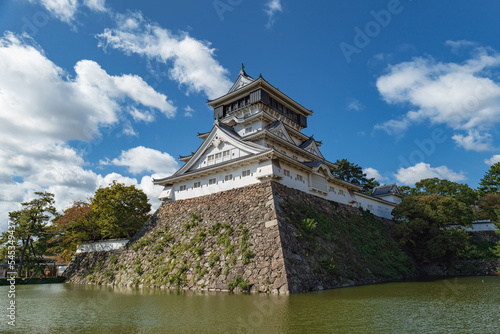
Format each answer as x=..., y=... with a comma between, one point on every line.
x=175, y=248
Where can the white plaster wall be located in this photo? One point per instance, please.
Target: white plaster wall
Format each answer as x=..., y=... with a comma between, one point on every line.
x=221, y=185
x=480, y=226
x=377, y=208
x=266, y=170
x=339, y=194
x=234, y=153
x=255, y=125
x=391, y=198
x=292, y=181
x=284, y=150
x=99, y=246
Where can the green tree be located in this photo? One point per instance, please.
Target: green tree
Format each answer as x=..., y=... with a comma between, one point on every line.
x=490, y=183
x=489, y=207
x=405, y=190
x=29, y=225
x=460, y=191
x=351, y=172
x=74, y=227
x=120, y=211
x=423, y=226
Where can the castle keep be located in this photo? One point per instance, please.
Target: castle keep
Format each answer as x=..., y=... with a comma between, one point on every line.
x=257, y=136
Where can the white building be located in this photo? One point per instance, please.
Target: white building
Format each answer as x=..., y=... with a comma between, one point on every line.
x=257, y=137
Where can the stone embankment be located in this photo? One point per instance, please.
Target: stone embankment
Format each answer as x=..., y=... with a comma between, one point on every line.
x=265, y=237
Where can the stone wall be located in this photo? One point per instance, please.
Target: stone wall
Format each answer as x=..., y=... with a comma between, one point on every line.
x=215, y=242
x=264, y=237
x=328, y=245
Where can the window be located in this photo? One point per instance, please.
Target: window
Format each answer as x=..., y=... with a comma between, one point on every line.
x=332, y=189
x=341, y=192
x=370, y=207
x=299, y=177
x=228, y=177
x=225, y=153
x=210, y=158
x=212, y=181
x=248, y=130
x=197, y=184
x=295, y=157
x=218, y=155
x=245, y=173
x=286, y=172
x=182, y=188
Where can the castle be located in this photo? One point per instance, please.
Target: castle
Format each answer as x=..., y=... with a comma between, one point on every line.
x=257, y=136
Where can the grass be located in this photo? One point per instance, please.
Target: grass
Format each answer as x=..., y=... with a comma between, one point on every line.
x=238, y=282
x=348, y=244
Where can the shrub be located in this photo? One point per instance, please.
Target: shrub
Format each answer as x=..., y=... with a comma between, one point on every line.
x=238, y=282
x=199, y=250
x=139, y=271
x=247, y=256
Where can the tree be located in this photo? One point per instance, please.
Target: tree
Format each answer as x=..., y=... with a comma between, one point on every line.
x=460, y=191
x=74, y=227
x=489, y=207
x=352, y=173
x=490, y=183
x=29, y=225
x=423, y=226
x=116, y=211
x=120, y=211
x=405, y=190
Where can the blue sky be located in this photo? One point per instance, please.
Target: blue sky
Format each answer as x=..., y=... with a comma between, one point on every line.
x=96, y=90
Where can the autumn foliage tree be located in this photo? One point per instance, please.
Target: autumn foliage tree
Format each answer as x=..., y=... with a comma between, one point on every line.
x=117, y=211
x=74, y=227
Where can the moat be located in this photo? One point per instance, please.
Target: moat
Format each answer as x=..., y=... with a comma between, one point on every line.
x=455, y=305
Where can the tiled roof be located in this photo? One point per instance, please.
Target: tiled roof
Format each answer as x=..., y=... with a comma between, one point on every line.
x=313, y=164
x=386, y=189
x=307, y=142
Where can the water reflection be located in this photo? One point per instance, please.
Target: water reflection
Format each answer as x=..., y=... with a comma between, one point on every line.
x=465, y=305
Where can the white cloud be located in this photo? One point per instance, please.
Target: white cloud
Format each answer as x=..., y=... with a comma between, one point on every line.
x=420, y=171
x=355, y=104
x=474, y=141
x=141, y=115
x=96, y=5
x=192, y=62
x=456, y=46
x=373, y=173
x=42, y=108
x=39, y=100
x=188, y=111
x=141, y=159
x=463, y=96
x=65, y=10
x=493, y=160
x=271, y=8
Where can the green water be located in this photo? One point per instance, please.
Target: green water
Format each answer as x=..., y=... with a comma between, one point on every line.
x=463, y=305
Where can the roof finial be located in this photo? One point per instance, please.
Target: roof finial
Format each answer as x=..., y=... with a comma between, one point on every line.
x=243, y=68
